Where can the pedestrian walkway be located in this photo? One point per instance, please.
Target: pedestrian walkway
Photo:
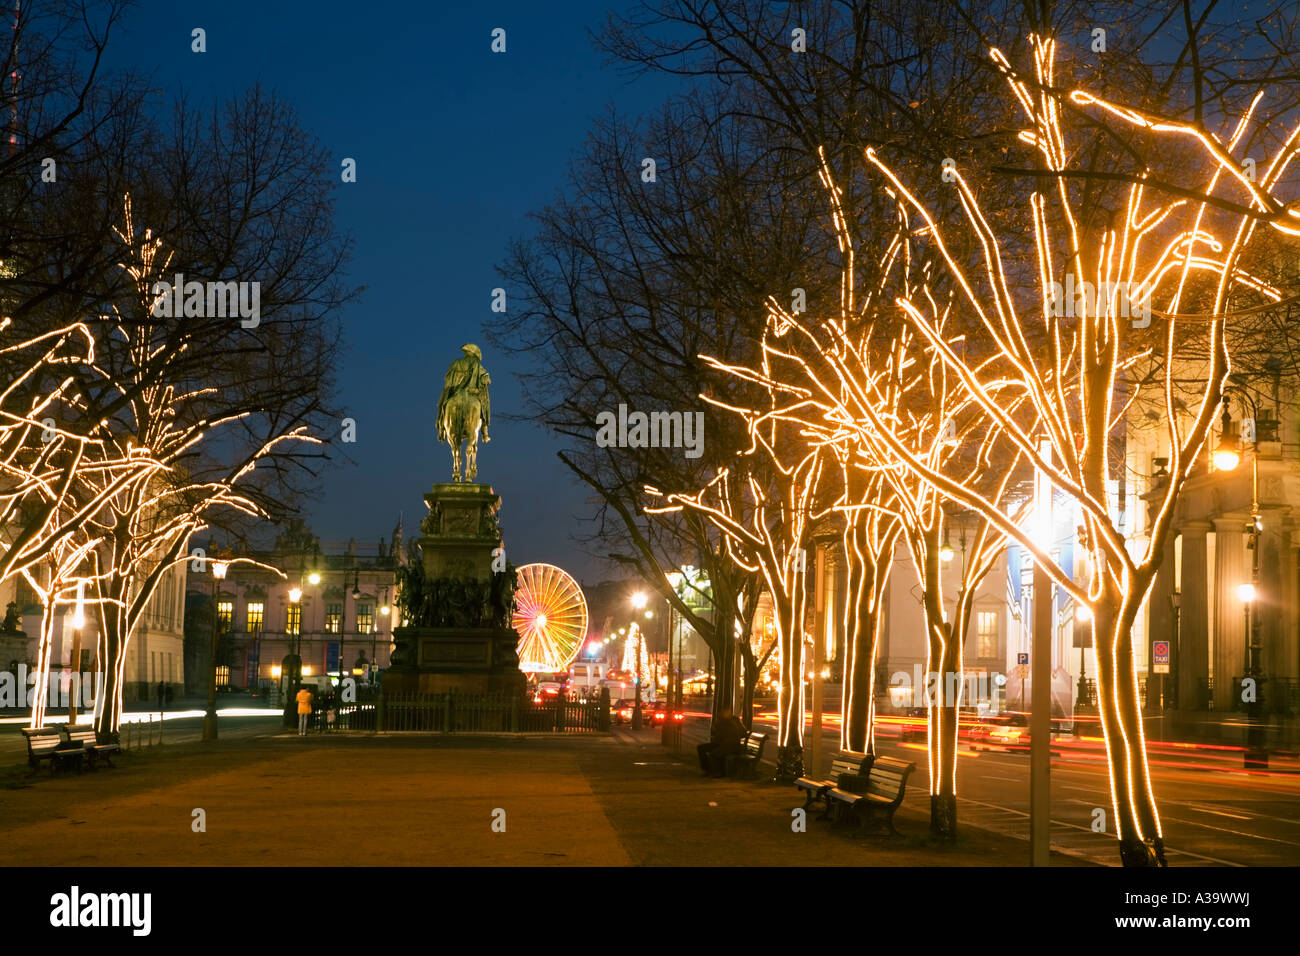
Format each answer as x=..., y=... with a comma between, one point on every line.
x=445, y=800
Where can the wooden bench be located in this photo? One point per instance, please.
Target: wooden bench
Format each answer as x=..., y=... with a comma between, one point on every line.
x=86, y=738
x=746, y=764
x=46, y=743
x=845, y=762
x=880, y=793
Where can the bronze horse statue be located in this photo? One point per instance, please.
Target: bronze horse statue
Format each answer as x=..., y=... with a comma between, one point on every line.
x=464, y=410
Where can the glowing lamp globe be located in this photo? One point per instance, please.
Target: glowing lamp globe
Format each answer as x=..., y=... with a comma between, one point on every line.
x=1246, y=592
x=1226, y=458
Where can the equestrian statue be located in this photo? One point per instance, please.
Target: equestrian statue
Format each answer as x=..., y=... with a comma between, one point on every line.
x=464, y=409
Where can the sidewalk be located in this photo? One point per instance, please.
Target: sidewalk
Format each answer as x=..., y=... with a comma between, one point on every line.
x=398, y=800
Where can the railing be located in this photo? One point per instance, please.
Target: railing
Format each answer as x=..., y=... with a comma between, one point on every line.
x=1090, y=693
x=484, y=713
x=139, y=733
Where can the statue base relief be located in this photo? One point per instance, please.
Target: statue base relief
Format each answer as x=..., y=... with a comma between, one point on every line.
x=456, y=635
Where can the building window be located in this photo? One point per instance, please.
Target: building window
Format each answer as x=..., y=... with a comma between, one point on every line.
x=225, y=613
x=333, y=618
x=986, y=634
x=293, y=619
x=223, y=675
x=365, y=618
x=255, y=617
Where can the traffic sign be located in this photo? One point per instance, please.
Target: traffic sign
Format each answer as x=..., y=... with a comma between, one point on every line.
x=1022, y=659
x=1160, y=657
x=1022, y=671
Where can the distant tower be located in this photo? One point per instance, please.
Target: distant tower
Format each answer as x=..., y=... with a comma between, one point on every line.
x=399, y=552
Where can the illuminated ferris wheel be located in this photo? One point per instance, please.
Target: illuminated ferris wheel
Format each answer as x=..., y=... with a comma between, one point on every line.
x=550, y=616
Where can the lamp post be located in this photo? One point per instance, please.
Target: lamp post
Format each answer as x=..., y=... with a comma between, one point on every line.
x=384, y=612
x=210, y=717
x=1226, y=458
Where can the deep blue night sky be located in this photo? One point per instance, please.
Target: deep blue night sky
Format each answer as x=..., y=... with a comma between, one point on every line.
x=454, y=146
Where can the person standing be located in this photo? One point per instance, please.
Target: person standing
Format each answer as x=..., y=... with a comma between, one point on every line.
x=304, y=710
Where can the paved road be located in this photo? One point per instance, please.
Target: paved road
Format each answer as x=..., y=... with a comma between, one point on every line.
x=1213, y=813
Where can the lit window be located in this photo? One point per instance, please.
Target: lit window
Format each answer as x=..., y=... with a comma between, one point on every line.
x=333, y=616
x=293, y=619
x=986, y=634
x=365, y=618
x=225, y=613
x=255, y=611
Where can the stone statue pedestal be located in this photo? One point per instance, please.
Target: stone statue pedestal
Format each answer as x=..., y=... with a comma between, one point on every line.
x=457, y=642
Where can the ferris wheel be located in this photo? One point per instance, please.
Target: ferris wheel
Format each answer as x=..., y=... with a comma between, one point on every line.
x=550, y=616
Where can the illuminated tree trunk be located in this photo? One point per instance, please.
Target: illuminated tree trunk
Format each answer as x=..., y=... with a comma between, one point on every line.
x=112, y=650
x=40, y=700
x=868, y=576
x=943, y=680
x=1137, y=821
x=790, y=703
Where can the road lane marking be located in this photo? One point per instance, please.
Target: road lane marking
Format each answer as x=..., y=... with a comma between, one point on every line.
x=1242, y=833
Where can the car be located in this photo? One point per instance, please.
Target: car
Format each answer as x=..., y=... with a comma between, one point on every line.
x=1000, y=732
x=620, y=711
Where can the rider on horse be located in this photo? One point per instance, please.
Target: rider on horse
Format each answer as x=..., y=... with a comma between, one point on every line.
x=466, y=374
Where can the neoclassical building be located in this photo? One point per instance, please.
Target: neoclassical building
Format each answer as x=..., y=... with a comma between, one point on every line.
x=342, y=619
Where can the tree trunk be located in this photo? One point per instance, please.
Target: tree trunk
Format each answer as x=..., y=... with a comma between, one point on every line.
x=867, y=578
x=112, y=655
x=1136, y=819
x=790, y=710
x=45, y=653
x=943, y=662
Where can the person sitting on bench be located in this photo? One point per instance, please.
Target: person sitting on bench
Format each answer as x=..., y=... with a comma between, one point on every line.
x=725, y=738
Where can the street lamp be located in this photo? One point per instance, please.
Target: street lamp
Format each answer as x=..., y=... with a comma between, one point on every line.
x=1227, y=458
x=219, y=569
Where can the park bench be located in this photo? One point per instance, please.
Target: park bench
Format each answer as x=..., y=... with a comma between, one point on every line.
x=880, y=793
x=86, y=738
x=746, y=764
x=46, y=743
x=845, y=762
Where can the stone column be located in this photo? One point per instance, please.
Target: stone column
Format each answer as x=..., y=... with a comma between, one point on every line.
x=1277, y=580
x=1231, y=570
x=1192, y=650
x=1160, y=622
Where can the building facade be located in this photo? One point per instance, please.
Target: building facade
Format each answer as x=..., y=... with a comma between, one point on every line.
x=341, y=623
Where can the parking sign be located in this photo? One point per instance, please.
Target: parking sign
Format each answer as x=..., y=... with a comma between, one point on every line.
x=1160, y=657
x=1022, y=659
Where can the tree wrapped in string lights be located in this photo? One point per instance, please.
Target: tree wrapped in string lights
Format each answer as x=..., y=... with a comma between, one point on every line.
x=766, y=530
x=1169, y=250
x=842, y=381
x=210, y=437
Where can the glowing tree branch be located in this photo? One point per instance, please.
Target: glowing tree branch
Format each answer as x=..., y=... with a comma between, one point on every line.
x=1158, y=256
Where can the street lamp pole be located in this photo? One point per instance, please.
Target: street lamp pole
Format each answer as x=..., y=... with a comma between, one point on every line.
x=210, y=717
x=1256, y=752
x=1226, y=457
